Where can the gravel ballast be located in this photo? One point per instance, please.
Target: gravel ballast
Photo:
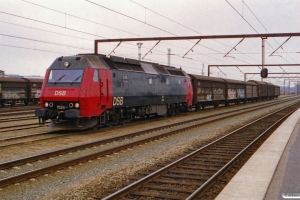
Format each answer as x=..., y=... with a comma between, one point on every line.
x=96, y=177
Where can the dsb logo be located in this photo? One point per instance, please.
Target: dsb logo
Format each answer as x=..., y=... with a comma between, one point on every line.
x=60, y=93
x=118, y=101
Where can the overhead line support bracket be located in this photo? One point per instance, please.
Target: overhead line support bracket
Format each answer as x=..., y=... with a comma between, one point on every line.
x=191, y=49
x=151, y=49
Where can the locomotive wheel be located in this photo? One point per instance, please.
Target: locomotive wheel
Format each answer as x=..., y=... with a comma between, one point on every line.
x=216, y=105
x=173, y=112
x=226, y=104
x=197, y=107
x=2, y=105
x=13, y=103
x=95, y=127
x=26, y=102
x=35, y=102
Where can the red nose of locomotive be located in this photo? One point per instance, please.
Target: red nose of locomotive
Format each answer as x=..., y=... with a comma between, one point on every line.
x=73, y=92
x=62, y=102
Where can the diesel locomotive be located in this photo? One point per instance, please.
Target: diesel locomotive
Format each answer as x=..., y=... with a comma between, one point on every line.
x=92, y=90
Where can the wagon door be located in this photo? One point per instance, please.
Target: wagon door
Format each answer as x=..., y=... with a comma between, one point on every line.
x=219, y=90
x=241, y=91
x=249, y=91
x=232, y=91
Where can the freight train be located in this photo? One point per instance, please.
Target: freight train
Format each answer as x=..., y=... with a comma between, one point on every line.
x=21, y=89
x=92, y=90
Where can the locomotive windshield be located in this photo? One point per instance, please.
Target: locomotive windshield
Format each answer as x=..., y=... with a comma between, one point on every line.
x=65, y=76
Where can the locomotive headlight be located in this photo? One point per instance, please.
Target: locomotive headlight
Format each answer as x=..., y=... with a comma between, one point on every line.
x=46, y=104
x=51, y=104
x=66, y=64
x=71, y=105
x=76, y=105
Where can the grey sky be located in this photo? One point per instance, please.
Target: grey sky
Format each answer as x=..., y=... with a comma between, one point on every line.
x=35, y=32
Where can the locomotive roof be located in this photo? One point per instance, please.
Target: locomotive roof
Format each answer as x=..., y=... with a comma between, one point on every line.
x=115, y=63
x=79, y=62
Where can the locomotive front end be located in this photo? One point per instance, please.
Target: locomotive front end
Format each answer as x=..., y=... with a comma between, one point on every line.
x=70, y=96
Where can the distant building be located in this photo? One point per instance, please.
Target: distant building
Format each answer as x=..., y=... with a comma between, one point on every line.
x=34, y=76
x=14, y=75
x=2, y=74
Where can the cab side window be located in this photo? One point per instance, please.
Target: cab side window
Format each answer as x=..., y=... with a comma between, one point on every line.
x=96, y=77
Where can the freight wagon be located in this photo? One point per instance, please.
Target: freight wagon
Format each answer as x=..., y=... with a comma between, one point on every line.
x=23, y=90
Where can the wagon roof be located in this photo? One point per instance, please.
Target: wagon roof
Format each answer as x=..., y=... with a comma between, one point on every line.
x=206, y=78
x=259, y=82
x=34, y=80
x=11, y=79
x=233, y=81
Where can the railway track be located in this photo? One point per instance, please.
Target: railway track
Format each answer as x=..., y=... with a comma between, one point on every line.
x=17, y=140
x=17, y=119
x=9, y=167
x=20, y=127
x=194, y=174
x=12, y=111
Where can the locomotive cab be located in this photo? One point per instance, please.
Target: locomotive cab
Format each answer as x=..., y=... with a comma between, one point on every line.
x=71, y=87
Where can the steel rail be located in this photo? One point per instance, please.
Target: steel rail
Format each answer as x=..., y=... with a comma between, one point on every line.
x=17, y=119
x=131, y=135
x=24, y=126
x=207, y=184
x=31, y=135
x=44, y=133
x=34, y=173
x=137, y=184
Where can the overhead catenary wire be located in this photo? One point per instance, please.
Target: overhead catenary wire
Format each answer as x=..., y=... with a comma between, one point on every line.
x=266, y=28
x=43, y=41
x=180, y=25
x=157, y=52
x=89, y=21
x=34, y=49
x=84, y=19
x=135, y=19
x=92, y=22
x=247, y=22
x=252, y=26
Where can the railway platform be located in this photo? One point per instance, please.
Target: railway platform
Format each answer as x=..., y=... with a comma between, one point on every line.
x=273, y=172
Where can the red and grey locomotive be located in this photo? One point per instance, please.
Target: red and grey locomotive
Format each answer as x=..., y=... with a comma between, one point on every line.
x=86, y=91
